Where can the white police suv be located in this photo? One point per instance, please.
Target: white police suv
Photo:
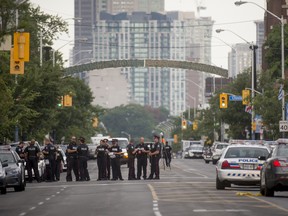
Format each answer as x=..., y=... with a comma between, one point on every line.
x=240, y=164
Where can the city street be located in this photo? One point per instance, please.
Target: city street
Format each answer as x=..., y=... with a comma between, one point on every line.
x=187, y=189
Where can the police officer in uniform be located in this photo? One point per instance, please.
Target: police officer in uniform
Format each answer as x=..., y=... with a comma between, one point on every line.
x=108, y=162
x=20, y=150
x=155, y=156
x=101, y=152
x=72, y=160
x=115, y=155
x=131, y=160
x=167, y=153
x=83, y=154
x=141, y=151
x=31, y=156
x=49, y=152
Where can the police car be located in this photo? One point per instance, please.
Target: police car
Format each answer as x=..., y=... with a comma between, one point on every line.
x=240, y=164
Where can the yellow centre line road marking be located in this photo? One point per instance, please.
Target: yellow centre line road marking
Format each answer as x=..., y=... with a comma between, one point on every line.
x=269, y=203
x=153, y=192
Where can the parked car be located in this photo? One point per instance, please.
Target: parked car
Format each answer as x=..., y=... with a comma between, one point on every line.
x=217, y=150
x=41, y=168
x=64, y=164
x=3, y=184
x=240, y=165
x=274, y=173
x=15, y=171
x=194, y=151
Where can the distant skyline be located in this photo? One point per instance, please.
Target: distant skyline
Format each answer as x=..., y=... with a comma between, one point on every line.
x=225, y=14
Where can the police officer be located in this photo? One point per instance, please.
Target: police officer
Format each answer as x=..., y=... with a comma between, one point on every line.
x=31, y=156
x=167, y=153
x=115, y=155
x=141, y=151
x=20, y=150
x=58, y=160
x=83, y=154
x=49, y=152
x=72, y=160
x=131, y=160
x=101, y=152
x=155, y=156
x=108, y=162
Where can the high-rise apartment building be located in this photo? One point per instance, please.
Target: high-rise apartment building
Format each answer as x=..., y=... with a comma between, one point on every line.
x=259, y=42
x=239, y=59
x=146, y=36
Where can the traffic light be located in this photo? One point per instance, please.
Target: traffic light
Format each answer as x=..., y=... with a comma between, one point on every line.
x=21, y=46
x=184, y=124
x=67, y=100
x=245, y=97
x=61, y=102
x=195, y=125
x=223, y=99
x=175, y=138
x=16, y=67
x=95, y=122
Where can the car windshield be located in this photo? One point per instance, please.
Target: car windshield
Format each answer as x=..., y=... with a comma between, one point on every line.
x=221, y=146
x=196, y=148
x=246, y=152
x=7, y=157
x=122, y=143
x=282, y=151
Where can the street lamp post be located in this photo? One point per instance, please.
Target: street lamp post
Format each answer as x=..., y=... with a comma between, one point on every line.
x=253, y=74
x=281, y=19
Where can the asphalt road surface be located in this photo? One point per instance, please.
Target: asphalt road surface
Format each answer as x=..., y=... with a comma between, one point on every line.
x=187, y=189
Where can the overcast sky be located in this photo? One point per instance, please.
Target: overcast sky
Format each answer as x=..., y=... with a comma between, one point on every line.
x=225, y=14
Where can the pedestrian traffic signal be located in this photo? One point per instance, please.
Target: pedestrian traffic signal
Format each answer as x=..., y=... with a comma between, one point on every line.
x=223, y=99
x=16, y=67
x=245, y=97
x=67, y=100
x=21, y=46
x=184, y=124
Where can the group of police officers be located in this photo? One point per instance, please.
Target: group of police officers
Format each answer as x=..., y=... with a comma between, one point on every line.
x=108, y=156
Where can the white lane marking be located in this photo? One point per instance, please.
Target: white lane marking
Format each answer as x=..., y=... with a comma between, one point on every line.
x=47, y=198
x=22, y=214
x=220, y=210
x=58, y=192
x=155, y=201
x=62, y=189
x=188, y=171
x=155, y=209
x=32, y=208
x=157, y=213
x=155, y=204
x=40, y=203
x=53, y=195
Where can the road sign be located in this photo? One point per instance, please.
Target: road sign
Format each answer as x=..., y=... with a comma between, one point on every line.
x=283, y=126
x=235, y=98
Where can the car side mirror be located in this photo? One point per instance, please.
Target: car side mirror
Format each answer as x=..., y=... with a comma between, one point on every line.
x=5, y=164
x=262, y=158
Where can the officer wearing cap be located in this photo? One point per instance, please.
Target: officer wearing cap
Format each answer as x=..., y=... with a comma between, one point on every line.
x=108, y=162
x=72, y=160
x=131, y=160
x=141, y=151
x=83, y=154
x=101, y=153
x=155, y=156
x=49, y=152
x=20, y=150
x=31, y=156
x=115, y=155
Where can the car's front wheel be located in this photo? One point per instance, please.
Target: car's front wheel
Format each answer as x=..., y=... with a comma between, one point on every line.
x=20, y=187
x=219, y=185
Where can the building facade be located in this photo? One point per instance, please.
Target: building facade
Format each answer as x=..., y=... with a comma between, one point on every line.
x=260, y=31
x=239, y=59
x=146, y=36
